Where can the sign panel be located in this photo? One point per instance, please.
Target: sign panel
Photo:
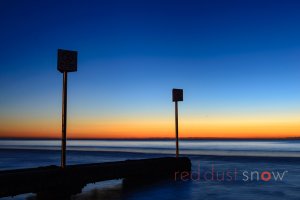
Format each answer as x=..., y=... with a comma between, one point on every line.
x=66, y=60
x=177, y=94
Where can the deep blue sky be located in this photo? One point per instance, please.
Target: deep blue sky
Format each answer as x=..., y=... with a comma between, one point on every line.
x=232, y=58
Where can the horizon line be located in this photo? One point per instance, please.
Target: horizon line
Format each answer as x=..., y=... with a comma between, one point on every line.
x=153, y=138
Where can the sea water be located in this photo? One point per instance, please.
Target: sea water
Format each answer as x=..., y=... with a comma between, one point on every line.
x=221, y=169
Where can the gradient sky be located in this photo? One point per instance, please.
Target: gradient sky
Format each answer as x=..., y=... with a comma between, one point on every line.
x=237, y=61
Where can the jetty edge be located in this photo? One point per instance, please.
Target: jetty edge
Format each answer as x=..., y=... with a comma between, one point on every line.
x=70, y=180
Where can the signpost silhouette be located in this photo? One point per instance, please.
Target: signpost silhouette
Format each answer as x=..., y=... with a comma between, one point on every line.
x=66, y=62
x=177, y=96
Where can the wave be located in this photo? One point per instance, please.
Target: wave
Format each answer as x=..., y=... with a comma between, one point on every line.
x=197, y=152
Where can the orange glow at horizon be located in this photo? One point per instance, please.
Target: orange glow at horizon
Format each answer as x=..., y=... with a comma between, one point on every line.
x=156, y=128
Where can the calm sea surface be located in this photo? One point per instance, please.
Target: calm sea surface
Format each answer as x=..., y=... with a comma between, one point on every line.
x=244, y=161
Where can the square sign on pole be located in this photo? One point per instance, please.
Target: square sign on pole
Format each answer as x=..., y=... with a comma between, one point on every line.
x=66, y=61
x=177, y=95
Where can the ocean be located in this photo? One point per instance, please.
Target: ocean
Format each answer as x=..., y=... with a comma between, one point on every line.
x=221, y=169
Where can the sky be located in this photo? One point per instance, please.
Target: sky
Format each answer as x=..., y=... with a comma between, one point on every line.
x=237, y=61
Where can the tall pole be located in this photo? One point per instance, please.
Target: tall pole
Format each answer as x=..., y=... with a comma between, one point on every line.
x=66, y=62
x=64, y=120
x=177, y=95
x=176, y=128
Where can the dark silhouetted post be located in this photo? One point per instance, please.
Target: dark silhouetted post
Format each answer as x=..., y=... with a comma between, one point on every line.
x=66, y=62
x=177, y=96
x=64, y=119
x=176, y=127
